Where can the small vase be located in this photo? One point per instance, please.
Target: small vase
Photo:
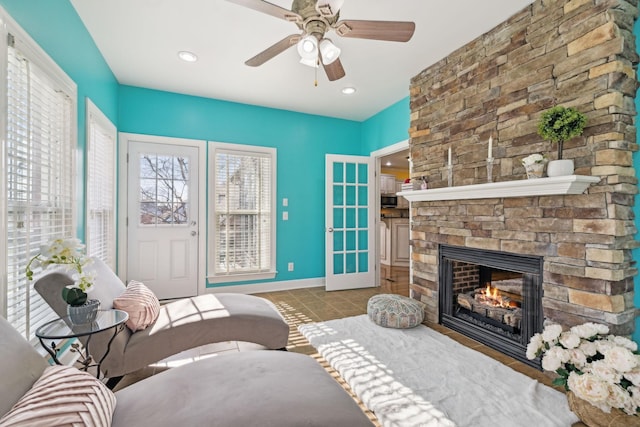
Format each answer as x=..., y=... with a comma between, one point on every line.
x=595, y=417
x=85, y=313
x=560, y=167
x=535, y=170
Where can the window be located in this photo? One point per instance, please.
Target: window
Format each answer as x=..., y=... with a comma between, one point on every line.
x=242, y=214
x=38, y=176
x=100, y=192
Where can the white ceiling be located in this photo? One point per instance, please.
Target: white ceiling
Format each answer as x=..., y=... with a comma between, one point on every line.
x=140, y=40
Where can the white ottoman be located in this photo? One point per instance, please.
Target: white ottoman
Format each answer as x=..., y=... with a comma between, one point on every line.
x=395, y=311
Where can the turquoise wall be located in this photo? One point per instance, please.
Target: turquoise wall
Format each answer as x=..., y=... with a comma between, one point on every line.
x=636, y=208
x=302, y=140
x=389, y=126
x=57, y=28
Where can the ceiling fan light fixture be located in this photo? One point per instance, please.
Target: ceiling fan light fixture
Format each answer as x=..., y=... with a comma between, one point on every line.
x=309, y=62
x=328, y=51
x=308, y=47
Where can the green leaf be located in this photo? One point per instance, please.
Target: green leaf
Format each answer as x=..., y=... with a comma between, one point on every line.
x=559, y=124
x=74, y=296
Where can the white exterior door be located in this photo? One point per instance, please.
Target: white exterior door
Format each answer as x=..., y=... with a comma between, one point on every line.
x=350, y=222
x=162, y=215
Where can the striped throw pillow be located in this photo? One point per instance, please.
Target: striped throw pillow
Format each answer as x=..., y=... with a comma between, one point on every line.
x=63, y=396
x=141, y=304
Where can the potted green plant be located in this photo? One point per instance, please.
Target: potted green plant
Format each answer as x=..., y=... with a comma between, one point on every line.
x=69, y=253
x=534, y=165
x=559, y=124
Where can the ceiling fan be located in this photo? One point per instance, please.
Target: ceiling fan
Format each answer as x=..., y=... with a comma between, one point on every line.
x=315, y=18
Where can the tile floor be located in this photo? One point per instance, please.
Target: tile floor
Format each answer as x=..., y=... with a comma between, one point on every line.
x=309, y=305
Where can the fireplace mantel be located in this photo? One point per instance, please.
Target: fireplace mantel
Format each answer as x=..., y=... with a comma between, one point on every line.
x=557, y=185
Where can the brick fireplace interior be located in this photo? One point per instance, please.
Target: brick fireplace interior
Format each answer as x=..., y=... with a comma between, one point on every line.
x=578, y=53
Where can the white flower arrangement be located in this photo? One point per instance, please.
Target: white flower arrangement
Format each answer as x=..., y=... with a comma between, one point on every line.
x=597, y=367
x=532, y=159
x=68, y=252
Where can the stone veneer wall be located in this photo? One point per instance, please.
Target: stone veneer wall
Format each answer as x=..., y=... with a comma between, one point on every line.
x=578, y=53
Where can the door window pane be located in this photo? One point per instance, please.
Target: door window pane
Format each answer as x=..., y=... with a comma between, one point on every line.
x=164, y=189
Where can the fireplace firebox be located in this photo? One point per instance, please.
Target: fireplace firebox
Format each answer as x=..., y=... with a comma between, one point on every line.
x=491, y=296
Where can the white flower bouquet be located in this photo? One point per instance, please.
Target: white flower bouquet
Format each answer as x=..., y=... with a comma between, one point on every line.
x=599, y=368
x=533, y=159
x=69, y=252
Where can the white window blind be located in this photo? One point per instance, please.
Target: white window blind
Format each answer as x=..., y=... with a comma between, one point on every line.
x=38, y=174
x=100, y=192
x=242, y=246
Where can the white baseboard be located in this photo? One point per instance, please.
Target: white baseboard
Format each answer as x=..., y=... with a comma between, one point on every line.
x=268, y=287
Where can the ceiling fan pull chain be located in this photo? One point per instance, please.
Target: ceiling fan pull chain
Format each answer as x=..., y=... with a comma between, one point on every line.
x=316, y=72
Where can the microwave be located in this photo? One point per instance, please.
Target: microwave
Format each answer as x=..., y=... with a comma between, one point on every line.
x=388, y=201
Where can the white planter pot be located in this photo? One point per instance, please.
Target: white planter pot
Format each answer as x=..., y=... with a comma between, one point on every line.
x=560, y=167
x=535, y=170
x=85, y=313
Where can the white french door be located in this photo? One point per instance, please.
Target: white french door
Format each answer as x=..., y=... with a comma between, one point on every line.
x=162, y=214
x=350, y=222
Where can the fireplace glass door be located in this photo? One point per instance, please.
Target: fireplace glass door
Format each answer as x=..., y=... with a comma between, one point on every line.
x=493, y=297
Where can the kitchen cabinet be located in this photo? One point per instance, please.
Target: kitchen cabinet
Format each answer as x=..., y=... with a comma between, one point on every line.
x=394, y=242
x=402, y=202
x=385, y=244
x=400, y=232
x=387, y=184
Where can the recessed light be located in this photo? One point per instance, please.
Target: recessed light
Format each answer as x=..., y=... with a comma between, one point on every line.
x=187, y=56
x=349, y=90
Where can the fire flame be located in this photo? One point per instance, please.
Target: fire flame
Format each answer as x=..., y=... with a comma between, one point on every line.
x=492, y=295
x=488, y=293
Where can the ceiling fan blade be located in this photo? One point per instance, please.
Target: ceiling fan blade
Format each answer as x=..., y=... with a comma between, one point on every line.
x=270, y=9
x=395, y=31
x=334, y=70
x=273, y=50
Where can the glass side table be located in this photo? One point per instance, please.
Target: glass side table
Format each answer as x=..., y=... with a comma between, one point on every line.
x=62, y=328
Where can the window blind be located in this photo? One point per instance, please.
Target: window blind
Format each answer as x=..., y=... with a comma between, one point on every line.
x=100, y=192
x=243, y=217
x=39, y=152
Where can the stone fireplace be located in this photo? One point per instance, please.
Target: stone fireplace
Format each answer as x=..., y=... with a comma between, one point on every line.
x=578, y=53
x=491, y=296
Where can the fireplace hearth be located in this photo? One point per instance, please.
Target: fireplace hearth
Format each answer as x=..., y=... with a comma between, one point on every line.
x=493, y=297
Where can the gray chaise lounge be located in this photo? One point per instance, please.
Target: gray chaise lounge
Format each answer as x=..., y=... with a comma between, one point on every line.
x=181, y=325
x=254, y=388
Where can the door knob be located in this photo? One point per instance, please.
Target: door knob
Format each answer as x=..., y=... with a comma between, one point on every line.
x=330, y=229
x=193, y=233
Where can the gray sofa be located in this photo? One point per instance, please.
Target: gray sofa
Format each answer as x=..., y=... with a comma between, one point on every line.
x=182, y=324
x=255, y=388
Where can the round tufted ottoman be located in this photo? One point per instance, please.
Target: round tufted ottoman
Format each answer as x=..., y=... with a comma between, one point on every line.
x=395, y=311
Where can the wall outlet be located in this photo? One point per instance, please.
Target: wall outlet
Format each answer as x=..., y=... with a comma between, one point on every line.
x=290, y=266
x=285, y=202
x=285, y=216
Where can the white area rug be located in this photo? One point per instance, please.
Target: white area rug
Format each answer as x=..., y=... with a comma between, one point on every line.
x=419, y=377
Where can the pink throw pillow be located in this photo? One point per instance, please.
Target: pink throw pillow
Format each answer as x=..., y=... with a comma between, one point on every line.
x=141, y=304
x=63, y=395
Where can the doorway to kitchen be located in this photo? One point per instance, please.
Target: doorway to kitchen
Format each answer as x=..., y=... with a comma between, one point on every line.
x=392, y=239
